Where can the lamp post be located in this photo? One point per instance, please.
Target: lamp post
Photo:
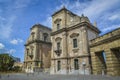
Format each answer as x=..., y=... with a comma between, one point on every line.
x=84, y=64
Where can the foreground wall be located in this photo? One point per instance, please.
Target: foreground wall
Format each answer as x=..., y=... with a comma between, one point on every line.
x=109, y=44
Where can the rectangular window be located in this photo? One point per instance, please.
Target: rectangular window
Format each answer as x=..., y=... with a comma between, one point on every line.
x=33, y=36
x=58, y=45
x=74, y=43
x=76, y=65
x=27, y=51
x=59, y=65
x=58, y=26
x=45, y=38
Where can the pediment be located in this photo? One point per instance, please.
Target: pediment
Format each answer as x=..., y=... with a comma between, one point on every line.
x=74, y=35
x=58, y=39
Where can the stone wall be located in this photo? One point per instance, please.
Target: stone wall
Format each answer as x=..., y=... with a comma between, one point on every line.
x=107, y=44
x=37, y=49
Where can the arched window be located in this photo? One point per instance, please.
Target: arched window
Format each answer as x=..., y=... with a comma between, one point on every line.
x=58, y=23
x=58, y=46
x=74, y=37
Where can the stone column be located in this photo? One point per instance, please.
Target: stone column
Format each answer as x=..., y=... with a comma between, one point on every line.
x=85, y=40
x=35, y=51
x=25, y=55
x=94, y=64
x=113, y=66
x=64, y=45
x=65, y=52
x=109, y=62
x=85, y=47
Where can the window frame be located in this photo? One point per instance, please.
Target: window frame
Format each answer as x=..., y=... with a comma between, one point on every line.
x=33, y=35
x=75, y=44
x=58, y=65
x=58, y=46
x=76, y=64
x=45, y=37
x=58, y=26
x=27, y=51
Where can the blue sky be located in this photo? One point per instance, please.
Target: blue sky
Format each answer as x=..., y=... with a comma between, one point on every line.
x=18, y=16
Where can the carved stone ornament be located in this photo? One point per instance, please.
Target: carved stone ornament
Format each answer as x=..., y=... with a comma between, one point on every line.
x=58, y=39
x=74, y=35
x=57, y=20
x=75, y=50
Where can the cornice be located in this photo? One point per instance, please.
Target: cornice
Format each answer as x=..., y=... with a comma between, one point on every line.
x=40, y=26
x=37, y=41
x=112, y=38
x=71, y=57
x=76, y=26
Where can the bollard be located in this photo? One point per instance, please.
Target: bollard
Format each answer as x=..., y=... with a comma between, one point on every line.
x=27, y=74
x=8, y=75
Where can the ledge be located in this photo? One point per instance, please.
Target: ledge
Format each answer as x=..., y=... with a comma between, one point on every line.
x=37, y=41
x=106, y=38
x=87, y=55
x=76, y=26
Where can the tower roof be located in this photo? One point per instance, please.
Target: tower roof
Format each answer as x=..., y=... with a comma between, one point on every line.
x=63, y=8
x=40, y=25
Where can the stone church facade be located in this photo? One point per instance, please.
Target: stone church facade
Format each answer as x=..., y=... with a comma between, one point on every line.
x=37, y=49
x=73, y=46
x=70, y=43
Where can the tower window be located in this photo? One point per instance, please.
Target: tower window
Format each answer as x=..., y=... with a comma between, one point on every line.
x=75, y=43
x=58, y=26
x=58, y=45
x=76, y=65
x=32, y=50
x=27, y=51
x=33, y=35
x=58, y=65
x=45, y=36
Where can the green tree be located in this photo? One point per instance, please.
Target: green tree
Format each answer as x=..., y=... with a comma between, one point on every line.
x=6, y=62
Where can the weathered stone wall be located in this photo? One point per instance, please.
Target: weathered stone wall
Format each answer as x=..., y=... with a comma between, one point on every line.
x=106, y=43
x=37, y=49
x=71, y=27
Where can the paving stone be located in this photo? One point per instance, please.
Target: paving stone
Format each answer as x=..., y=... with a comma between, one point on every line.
x=45, y=76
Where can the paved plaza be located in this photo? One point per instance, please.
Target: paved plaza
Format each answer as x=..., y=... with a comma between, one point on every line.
x=45, y=76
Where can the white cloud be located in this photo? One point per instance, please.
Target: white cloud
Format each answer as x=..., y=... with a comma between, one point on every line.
x=1, y=46
x=7, y=22
x=93, y=8
x=48, y=22
x=16, y=41
x=98, y=7
x=114, y=17
x=6, y=26
x=110, y=28
x=96, y=10
x=11, y=51
x=21, y=3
